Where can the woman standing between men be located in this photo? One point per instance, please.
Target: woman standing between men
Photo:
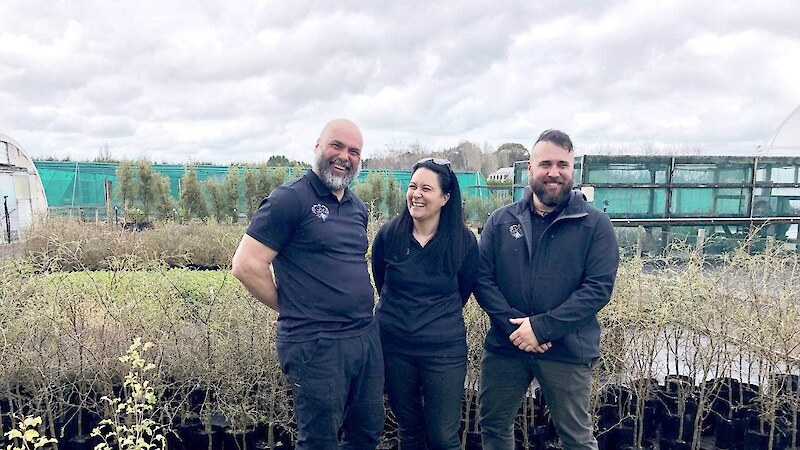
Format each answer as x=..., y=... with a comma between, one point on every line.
x=424, y=263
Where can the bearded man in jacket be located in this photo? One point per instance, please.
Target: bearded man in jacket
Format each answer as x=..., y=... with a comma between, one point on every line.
x=548, y=265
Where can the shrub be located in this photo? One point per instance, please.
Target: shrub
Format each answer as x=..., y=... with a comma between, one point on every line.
x=63, y=245
x=78, y=300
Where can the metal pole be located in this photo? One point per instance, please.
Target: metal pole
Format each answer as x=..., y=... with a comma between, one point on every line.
x=74, y=185
x=8, y=219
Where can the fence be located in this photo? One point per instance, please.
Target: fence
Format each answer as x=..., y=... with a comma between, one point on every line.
x=73, y=185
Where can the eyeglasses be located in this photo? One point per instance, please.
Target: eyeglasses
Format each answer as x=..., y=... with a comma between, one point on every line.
x=437, y=161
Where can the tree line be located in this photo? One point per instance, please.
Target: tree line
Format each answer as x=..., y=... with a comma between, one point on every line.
x=145, y=195
x=464, y=156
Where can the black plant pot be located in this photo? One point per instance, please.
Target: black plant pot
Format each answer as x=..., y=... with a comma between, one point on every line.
x=616, y=395
x=680, y=445
x=724, y=434
x=607, y=440
x=538, y=397
x=668, y=404
x=645, y=385
x=648, y=445
x=783, y=440
x=239, y=441
x=608, y=416
x=76, y=444
x=193, y=436
x=626, y=437
x=180, y=436
x=540, y=435
x=754, y=440
x=5, y=416
x=76, y=422
x=679, y=383
x=740, y=426
x=471, y=407
x=724, y=399
x=650, y=422
x=473, y=441
x=747, y=394
x=670, y=427
x=281, y=439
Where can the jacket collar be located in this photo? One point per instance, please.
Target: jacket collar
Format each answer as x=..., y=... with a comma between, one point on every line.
x=576, y=207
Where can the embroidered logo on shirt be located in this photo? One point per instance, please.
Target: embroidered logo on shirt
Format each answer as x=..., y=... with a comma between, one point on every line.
x=515, y=230
x=320, y=211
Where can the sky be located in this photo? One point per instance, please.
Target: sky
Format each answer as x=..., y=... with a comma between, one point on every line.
x=239, y=81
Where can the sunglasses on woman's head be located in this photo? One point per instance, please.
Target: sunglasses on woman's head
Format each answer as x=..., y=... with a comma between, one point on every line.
x=437, y=161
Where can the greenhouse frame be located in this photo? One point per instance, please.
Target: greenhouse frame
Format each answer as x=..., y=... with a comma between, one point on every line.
x=713, y=200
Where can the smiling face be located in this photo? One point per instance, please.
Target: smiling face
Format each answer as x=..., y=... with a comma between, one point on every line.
x=424, y=197
x=551, y=174
x=338, y=154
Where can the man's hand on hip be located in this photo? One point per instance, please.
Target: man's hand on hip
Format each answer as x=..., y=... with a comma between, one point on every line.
x=524, y=338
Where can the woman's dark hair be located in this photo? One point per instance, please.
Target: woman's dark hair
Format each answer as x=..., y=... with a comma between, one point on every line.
x=448, y=245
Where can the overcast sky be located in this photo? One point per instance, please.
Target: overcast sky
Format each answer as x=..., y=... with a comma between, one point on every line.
x=179, y=81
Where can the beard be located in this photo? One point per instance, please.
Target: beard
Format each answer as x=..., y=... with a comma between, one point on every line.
x=333, y=182
x=551, y=200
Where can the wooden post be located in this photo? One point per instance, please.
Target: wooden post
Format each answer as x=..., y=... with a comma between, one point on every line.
x=639, y=240
x=109, y=207
x=701, y=239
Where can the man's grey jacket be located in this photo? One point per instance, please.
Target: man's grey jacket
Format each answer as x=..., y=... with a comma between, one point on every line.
x=561, y=291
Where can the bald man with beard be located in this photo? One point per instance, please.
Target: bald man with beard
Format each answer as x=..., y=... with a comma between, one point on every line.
x=313, y=233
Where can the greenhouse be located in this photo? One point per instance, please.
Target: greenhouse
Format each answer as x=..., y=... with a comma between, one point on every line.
x=785, y=141
x=717, y=200
x=22, y=199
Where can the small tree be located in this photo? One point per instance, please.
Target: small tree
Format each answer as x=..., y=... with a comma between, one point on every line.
x=278, y=160
x=277, y=177
x=192, y=201
x=372, y=191
x=224, y=196
x=130, y=425
x=216, y=199
x=258, y=183
x=163, y=203
x=477, y=209
x=141, y=189
x=252, y=194
x=231, y=189
x=147, y=185
x=510, y=152
x=395, y=200
x=126, y=188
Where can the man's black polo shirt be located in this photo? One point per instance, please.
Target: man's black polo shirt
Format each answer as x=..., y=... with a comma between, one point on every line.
x=324, y=288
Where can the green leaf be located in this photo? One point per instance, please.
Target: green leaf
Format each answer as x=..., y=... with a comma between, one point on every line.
x=30, y=435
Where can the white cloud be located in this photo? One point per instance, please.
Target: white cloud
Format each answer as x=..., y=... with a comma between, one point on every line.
x=240, y=81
